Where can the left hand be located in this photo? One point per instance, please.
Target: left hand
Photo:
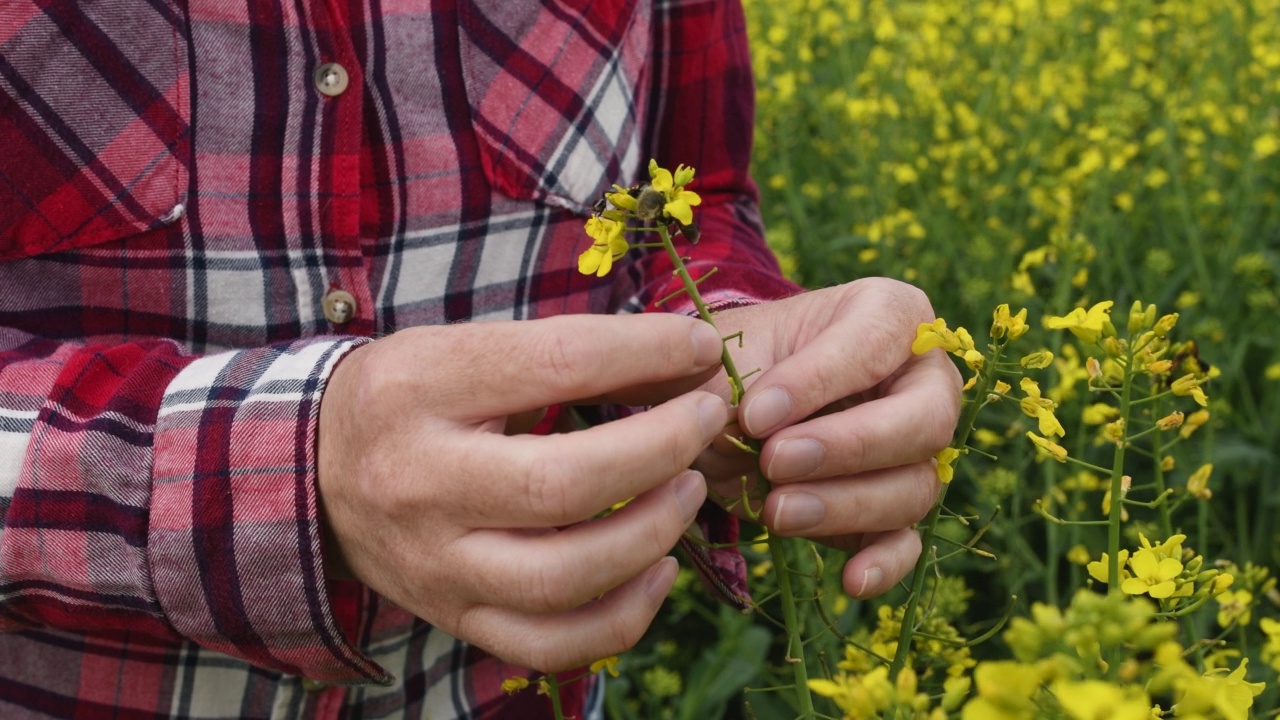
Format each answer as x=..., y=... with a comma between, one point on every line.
x=850, y=419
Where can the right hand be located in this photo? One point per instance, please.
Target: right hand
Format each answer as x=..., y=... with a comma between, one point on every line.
x=490, y=536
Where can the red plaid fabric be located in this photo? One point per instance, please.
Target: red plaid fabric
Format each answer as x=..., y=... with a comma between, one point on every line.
x=177, y=198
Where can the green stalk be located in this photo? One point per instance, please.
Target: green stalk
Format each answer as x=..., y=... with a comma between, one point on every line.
x=931, y=521
x=691, y=289
x=553, y=691
x=794, y=625
x=777, y=550
x=1117, y=476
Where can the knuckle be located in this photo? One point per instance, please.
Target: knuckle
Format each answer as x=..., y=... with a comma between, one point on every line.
x=924, y=490
x=547, y=488
x=542, y=586
x=564, y=359
x=623, y=634
x=940, y=428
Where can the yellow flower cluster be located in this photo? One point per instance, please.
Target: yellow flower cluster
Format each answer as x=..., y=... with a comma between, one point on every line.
x=662, y=200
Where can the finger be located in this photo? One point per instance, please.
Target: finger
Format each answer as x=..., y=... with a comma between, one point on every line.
x=597, y=629
x=912, y=421
x=555, y=480
x=511, y=367
x=885, y=559
x=560, y=570
x=867, y=339
x=657, y=392
x=880, y=500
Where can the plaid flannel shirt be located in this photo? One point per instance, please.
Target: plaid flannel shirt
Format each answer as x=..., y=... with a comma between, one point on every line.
x=178, y=201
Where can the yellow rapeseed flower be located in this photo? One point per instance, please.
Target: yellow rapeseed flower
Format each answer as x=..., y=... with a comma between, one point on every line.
x=610, y=663
x=609, y=246
x=1193, y=422
x=1235, y=606
x=1003, y=324
x=935, y=334
x=1189, y=384
x=1152, y=575
x=514, y=684
x=1100, y=570
x=1037, y=360
x=1198, y=483
x=1229, y=695
x=946, y=458
x=1097, y=699
x=679, y=202
x=1053, y=449
x=1088, y=325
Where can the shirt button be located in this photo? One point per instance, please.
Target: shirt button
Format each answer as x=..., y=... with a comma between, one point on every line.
x=339, y=306
x=332, y=79
x=313, y=686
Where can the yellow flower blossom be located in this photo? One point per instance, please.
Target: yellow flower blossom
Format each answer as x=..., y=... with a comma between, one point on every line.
x=1101, y=569
x=1266, y=146
x=1198, y=483
x=1100, y=413
x=609, y=246
x=1189, y=384
x=935, y=334
x=1037, y=360
x=1088, y=325
x=1053, y=449
x=1006, y=691
x=1003, y=324
x=1193, y=422
x=1152, y=575
x=679, y=202
x=1171, y=421
x=946, y=458
x=1101, y=700
x=1041, y=408
x=1214, y=694
x=514, y=684
x=1235, y=606
x=1271, y=649
x=610, y=664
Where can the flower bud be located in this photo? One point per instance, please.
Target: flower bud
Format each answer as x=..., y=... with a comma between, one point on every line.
x=1165, y=324
x=1138, y=317
x=1170, y=421
x=1037, y=360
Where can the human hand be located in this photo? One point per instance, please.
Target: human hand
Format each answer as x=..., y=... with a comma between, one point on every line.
x=852, y=419
x=489, y=536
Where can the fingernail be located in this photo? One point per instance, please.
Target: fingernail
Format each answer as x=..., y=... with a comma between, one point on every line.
x=707, y=344
x=767, y=410
x=871, y=579
x=661, y=576
x=712, y=416
x=797, y=512
x=794, y=458
x=690, y=490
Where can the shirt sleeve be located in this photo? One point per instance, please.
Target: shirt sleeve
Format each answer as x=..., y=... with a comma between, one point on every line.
x=701, y=113
x=171, y=495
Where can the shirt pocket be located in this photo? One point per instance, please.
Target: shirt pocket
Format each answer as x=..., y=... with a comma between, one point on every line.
x=557, y=91
x=94, y=122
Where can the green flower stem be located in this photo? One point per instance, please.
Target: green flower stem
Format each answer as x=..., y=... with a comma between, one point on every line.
x=930, y=523
x=794, y=626
x=691, y=289
x=1117, y=476
x=777, y=548
x=553, y=691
